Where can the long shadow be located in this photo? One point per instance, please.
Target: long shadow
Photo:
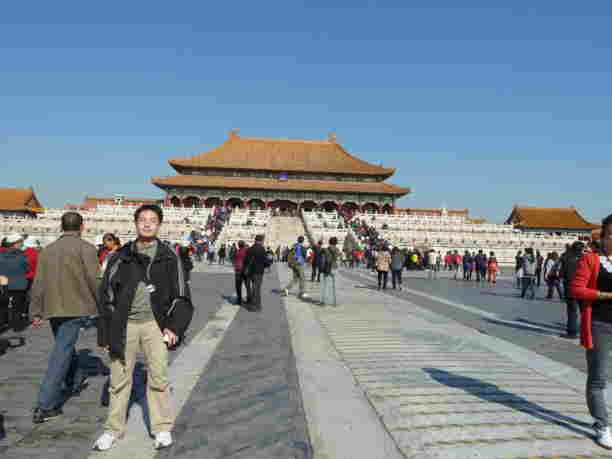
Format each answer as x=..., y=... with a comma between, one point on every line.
x=491, y=393
x=524, y=327
x=556, y=325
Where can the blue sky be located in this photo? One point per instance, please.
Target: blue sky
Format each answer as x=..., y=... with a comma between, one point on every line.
x=478, y=104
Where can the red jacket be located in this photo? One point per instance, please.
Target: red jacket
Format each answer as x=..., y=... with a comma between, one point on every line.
x=584, y=287
x=32, y=256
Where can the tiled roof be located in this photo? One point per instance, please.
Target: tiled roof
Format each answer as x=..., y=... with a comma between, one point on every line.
x=281, y=155
x=549, y=218
x=19, y=199
x=271, y=184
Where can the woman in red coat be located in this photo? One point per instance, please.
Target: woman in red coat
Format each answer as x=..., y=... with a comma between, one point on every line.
x=593, y=285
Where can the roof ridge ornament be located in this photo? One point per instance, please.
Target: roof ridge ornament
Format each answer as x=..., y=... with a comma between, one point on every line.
x=234, y=133
x=332, y=137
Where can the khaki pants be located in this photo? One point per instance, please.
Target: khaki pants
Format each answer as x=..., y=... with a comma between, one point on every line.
x=148, y=337
x=298, y=278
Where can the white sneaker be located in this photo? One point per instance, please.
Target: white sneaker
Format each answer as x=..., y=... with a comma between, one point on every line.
x=305, y=295
x=105, y=442
x=162, y=440
x=604, y=437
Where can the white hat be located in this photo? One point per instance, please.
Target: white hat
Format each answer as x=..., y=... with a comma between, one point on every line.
x=30, y=243
x=13, y=238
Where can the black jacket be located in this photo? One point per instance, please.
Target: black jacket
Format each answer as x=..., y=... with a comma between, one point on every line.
x=569, y=264
x=256, y=260
x=171, y=300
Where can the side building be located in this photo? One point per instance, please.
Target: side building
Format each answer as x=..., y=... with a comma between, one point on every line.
x=280, y=174
x=554, y=221
x=19, y=202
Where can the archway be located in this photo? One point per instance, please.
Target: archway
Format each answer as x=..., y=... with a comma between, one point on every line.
x=176, y=202
x=329, y=206
x=350, y=207
x=192, y=201
x=370, y=207
x=256, y=204
x=308, y=206
x=213, y=202
x=232, y=203
x=387, y=209
x=283, y=205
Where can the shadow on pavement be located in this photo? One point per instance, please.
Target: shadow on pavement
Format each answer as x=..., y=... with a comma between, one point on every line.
x=525, y=327
x=494, y=394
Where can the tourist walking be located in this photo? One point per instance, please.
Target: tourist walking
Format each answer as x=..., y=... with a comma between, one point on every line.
x=32, y=252
x=481, y=266
x=539, y=267
x=398, y=259
x=14, y=265
x=240, y=278
x=316, y=252
x=552, y=276
x=592, y=284
x=328, y=259
x=518, y=265
x=64, y=292
x=383, y=262
x=145, y=306
x=296, y=258
x=456, y=261
x=492, y=268
x=528, y=276
x=255, y=263
x=222, y=254
x=569, y=264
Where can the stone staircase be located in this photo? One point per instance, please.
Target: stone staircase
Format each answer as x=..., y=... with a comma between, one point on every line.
x=284, y=231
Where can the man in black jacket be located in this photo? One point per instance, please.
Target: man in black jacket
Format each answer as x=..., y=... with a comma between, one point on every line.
x=255, y=263
x=569, y=263
x=144, y=305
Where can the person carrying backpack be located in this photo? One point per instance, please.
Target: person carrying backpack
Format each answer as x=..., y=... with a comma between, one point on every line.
x=316, y=252
x=328, y=263
x=552, y=275
x=296, y=259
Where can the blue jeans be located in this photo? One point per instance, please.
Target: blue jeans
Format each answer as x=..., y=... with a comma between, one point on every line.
x=328, y=289
x=597, y=364
x=528, y=283
x=63, y=369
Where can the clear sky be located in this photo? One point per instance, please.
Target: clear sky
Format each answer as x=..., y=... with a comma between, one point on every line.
x=479, y=104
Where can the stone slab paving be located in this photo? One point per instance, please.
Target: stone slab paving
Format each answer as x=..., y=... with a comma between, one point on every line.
x=443, y=391
x=72, y=435
x=247, y=404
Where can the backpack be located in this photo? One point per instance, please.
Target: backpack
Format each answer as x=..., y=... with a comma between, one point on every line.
x=529, y=266
x=325, y=263
x=553, y=274
x=292, y=258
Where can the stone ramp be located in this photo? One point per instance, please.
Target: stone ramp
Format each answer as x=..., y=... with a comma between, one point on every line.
x=441, y=391
x=284, y=231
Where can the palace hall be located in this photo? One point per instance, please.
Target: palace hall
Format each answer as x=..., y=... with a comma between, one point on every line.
x=280, y=174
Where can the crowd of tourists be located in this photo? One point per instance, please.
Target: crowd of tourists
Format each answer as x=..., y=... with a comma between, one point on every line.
x=137, y=296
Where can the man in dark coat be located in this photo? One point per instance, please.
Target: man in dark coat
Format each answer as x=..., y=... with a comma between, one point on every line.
x=316, y=253
x=569, y=263
x=255, y=263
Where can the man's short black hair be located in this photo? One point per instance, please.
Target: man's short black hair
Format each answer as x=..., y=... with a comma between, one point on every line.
x=333, y=241
x=241, y=244
x=72, y=221
x=259, y=238
x=300, y=239
x=150, y=207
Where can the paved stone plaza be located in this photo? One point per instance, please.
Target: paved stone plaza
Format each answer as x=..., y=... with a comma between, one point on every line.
x=444, y=369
